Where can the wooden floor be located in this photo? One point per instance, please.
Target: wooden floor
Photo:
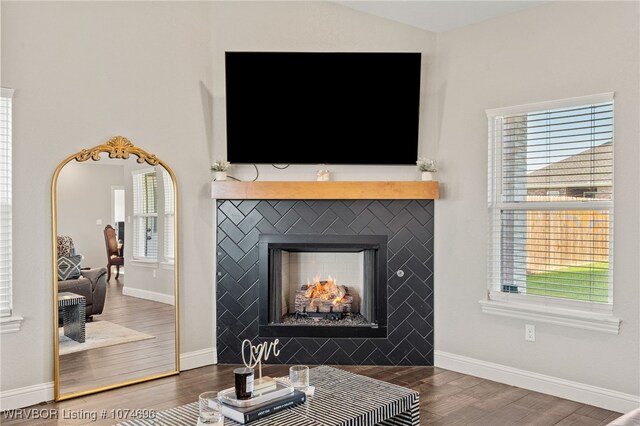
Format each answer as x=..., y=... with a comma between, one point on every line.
x=446, y=398
x=98, y=367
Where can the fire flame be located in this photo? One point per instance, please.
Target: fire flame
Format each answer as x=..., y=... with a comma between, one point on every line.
x=324, y=289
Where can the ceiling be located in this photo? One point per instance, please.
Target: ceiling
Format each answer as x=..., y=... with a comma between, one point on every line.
x=438, y=16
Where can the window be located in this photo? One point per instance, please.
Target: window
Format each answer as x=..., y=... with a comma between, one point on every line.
x=6, y=96
x=551, y=203
x=145, y=215
x=169, y=216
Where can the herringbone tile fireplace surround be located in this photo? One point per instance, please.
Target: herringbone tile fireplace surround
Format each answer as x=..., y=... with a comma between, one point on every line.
x=408, y=225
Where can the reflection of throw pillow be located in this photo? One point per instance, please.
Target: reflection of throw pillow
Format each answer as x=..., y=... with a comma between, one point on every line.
x=65, y=246
x=69, y=267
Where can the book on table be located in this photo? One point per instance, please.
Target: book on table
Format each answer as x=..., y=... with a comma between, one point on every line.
x=245, y=415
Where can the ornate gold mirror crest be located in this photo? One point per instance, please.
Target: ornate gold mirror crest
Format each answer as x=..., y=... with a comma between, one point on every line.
x=115, y=269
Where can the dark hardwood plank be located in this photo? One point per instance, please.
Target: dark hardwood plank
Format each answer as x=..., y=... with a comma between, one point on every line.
x=99, y=367
x=446, y=398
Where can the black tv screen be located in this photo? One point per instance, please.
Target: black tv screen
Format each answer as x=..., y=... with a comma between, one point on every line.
x=322, y=108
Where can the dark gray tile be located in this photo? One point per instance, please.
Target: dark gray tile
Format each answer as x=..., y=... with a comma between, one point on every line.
x=358, y=206
x=250, y=240
x=286, y=222
x=232, y=249
x=268, y=212
x=230, y=267
x=324, y=221
x=306, y=212
x=418, y=268
x=377, y=357
x=399, y=297
x=361, y=221
x=231, y=212
x=343, y=211
x=338, y=227
x=399, y=221
x=410, y=298
x=380, y=212
x=396, y=206
x=250, y=221
x=266, y=228
x=250, y=259
x=399, y=240
x=419, y=212
x=283, y=206
x=231, y=231
x=247, y=205
x=420, y=232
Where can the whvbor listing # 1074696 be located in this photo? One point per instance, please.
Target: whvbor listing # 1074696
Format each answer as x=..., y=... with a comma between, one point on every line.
x=65, y=414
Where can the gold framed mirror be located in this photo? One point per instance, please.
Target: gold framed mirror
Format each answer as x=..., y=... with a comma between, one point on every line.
x=114, y=210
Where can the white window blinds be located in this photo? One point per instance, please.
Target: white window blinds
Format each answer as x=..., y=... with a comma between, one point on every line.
x=169, y=216
x=5, y=201
x=552, y=201
x=145, y=215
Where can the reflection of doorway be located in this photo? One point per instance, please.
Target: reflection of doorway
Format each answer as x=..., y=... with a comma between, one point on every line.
x=118, y=214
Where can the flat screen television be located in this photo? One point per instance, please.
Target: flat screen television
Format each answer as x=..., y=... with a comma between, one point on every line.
x=322, y=107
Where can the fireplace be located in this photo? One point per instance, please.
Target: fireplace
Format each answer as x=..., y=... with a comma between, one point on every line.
x=322, y=285
x=404, y=333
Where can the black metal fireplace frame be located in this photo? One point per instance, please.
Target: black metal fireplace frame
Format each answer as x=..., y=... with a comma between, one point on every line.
x=346, y=243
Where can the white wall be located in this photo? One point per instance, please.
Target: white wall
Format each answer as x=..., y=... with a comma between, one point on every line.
x=84, y=72
x=557, y=50
x=83, y=198
x=154, y=72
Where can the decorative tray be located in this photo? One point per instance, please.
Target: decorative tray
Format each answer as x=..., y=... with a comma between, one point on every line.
x=228, y=396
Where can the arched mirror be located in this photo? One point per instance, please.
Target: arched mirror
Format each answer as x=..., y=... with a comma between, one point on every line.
x=115, y=269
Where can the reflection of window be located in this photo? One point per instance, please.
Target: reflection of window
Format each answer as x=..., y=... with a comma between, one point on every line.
x=5, y=202
x=550, y=233
x=145, y=215
x=169, y=216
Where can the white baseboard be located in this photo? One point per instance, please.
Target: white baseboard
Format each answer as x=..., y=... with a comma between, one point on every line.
x=148, y=295
x=197, y=359
x=26, y=396
x=575, y=391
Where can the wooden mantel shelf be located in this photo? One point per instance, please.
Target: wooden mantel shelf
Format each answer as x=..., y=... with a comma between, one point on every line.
x=332, y=190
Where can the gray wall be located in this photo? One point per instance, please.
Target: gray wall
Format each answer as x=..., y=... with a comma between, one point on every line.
x=558, y=50
x=84, y=196
x=84, y=72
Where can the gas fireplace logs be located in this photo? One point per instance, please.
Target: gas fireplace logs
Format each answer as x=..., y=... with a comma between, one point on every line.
x=323, y=299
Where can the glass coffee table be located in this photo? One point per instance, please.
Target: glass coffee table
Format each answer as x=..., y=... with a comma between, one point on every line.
x=340, y=398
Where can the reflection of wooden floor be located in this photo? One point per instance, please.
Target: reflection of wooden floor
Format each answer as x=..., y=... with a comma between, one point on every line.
x=98, y=367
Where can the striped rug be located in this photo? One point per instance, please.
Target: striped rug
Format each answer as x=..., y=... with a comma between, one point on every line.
x=341, y=398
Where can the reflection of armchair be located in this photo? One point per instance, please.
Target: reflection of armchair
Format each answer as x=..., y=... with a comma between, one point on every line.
x=92, y=283
x=114, y=256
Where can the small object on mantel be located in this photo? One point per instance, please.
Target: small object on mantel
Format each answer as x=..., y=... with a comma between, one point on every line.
x=264, y=384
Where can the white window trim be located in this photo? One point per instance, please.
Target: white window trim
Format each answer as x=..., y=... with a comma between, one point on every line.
x=10, y=324
x=149, y=261
x=13, y=322
x=570, y=313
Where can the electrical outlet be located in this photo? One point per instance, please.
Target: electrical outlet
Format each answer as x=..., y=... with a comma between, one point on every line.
x=530, y=333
